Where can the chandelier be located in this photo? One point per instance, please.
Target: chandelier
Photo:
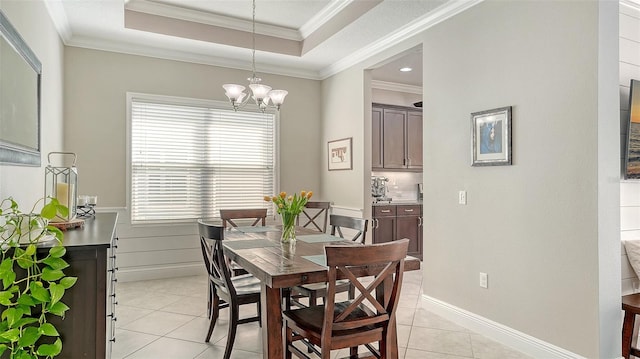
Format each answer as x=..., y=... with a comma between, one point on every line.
x=260, y=93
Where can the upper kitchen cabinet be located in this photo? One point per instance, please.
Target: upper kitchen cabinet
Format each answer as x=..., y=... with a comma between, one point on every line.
x=397, y=138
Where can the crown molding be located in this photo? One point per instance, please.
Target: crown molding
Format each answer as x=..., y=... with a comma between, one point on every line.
x=170, y=54
x=631, y=3
x=396, y=87
x=177, y=12
x=434, y=17
x=59, y=18
x=321, y=18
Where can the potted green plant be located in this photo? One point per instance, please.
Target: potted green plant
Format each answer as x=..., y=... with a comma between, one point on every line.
x=33, y=281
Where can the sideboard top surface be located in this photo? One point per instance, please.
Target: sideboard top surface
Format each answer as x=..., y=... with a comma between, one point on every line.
x=97, y=231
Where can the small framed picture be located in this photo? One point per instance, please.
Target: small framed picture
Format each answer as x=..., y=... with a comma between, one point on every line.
x=340, y=154
x=491, y=137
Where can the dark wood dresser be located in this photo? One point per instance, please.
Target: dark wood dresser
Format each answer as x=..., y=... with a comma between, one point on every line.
x=88, y=328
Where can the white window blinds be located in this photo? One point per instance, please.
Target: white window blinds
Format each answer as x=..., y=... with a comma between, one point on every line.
x=189, y=161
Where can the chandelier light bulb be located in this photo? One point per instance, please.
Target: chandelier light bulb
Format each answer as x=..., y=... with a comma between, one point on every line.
x=277, y=97
x=234, y=92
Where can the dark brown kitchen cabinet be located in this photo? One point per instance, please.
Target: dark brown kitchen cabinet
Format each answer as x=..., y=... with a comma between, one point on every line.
x=409, y=225
x=376, y=135
x=393, y=222
x=396, y=138
x=384, y=223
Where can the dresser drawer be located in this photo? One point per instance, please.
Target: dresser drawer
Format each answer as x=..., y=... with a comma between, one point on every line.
x=384, y=211
x=408, y=210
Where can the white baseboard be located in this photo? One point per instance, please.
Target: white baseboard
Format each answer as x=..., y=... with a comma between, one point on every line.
x=510, y=337
x=159, y=272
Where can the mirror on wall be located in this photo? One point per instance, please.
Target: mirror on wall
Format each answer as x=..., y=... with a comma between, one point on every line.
x=20, y=75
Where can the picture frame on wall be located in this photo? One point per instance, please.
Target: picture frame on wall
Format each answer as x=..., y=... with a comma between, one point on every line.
x=491, y=137
x=339, y=154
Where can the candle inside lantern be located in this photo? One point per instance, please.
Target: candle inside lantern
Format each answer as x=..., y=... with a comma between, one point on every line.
x=62, y=193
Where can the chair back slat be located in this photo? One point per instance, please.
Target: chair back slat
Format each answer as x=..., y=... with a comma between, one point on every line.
x=258, y=215
x=314, y=216
x=359, y=225
x=211, y=237
x=385, y=262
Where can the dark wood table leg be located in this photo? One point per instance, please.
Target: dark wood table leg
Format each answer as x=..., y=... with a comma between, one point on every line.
x=627, y=333
x=272, y=336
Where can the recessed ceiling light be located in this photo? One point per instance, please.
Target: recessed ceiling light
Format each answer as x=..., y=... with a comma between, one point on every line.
x=406, y=69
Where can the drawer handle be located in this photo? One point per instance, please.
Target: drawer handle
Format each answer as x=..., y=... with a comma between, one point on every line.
x=385, y=210
x=409, y=210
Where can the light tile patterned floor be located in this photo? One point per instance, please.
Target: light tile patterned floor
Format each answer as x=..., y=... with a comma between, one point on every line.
x=166, y=319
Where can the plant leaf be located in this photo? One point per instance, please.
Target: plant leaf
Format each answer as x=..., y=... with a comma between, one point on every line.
x=26, y=300
x=58, y=309
x=55, y=263
x=38, y=292
x=7, y=274
x=5, y=298
x=51, y=275
x=11, y=335
x=11, y=315
x=50, y=349
x=68, y=282
x=25, y=321
x=49, y=211
x=57, y=291
x=31, y=249
x=29, y=336
x=49, y=330
x=57, y=251
x=3, y=347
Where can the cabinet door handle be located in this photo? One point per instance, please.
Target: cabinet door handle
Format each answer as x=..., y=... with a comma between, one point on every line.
x=385, y=211
x=419, y=221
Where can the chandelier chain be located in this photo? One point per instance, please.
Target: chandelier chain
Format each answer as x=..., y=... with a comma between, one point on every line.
x=253, y=46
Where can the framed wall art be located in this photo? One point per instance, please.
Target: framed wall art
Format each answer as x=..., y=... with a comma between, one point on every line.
x=340, y=154
x=491, y=137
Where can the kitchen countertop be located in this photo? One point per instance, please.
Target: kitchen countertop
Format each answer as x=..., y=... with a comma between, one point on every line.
x=398, y=203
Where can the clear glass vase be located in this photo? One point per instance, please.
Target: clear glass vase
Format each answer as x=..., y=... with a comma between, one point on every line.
x=288, y=227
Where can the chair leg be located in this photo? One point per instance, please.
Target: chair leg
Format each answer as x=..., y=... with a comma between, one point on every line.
x=209, y=299
x=288, y=341
x=213, y=318
x=259, y=308
x=233, y=324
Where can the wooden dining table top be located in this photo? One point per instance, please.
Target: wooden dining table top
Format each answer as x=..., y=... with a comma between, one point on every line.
x=280, y=265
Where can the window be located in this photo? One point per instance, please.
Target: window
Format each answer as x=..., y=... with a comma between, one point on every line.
x=189, y=159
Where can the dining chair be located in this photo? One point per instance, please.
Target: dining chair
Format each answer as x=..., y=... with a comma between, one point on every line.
x=257, y=215
x=235, y=291
x=314, y=216
x=313, y=291
x=339, y=222
x=359, y=321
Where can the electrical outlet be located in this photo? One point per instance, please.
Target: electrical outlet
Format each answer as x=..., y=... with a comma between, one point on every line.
x=484, y=280
x=462, y=197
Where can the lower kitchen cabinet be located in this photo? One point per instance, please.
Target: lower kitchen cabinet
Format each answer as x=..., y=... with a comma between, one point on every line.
x=393, y=222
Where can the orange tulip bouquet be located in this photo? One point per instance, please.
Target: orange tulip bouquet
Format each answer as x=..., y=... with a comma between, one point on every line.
x=289, y=207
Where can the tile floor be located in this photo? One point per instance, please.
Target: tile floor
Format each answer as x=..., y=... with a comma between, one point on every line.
x=166, y=319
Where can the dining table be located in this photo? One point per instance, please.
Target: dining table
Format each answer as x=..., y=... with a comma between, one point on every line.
x=283, y=265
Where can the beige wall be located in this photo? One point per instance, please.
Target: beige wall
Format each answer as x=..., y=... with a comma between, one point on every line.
x=30, y=18
x=95, y=115
x=535, y=227
x=343, y=116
